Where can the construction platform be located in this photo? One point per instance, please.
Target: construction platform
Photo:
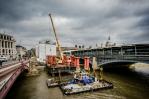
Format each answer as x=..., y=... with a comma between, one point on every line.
x=69, y=89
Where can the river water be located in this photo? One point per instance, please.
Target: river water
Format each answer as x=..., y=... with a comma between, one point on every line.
x=132, y=83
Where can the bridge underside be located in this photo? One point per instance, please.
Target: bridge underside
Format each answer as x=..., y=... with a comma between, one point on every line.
x=128, y=53
x=118, y=64
x=113, y=64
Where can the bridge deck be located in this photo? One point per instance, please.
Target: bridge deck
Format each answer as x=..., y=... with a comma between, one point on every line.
x=8, y=76
x=4, y=80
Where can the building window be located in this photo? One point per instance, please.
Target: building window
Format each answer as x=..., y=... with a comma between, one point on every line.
x=3, y=52
x=10, y=38
x=5, y=44
x=9, y=52
x=4, y=37
x=11, y=44
x=8, y=44
x=6, y=52
x=2, y=44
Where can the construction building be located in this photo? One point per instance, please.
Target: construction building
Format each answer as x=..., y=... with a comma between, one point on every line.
x=45, y=48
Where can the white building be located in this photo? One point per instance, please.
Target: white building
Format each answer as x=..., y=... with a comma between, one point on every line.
x=7, y=46
x=21, y=51
x=43, y=49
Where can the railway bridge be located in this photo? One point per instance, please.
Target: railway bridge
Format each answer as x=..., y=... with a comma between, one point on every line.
x=122, y=55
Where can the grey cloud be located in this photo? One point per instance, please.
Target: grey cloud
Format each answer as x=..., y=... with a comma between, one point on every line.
x=91, y=20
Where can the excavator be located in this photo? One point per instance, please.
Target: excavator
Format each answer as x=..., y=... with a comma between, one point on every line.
x=60, y=57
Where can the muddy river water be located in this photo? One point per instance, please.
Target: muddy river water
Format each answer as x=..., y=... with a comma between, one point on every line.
x=128, y=84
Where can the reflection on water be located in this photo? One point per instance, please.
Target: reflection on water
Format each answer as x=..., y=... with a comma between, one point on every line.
x=141, y=68
x=128, y=84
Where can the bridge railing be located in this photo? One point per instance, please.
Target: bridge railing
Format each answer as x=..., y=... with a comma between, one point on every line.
x=9, y=64
x=104, y=58
x=8, y=84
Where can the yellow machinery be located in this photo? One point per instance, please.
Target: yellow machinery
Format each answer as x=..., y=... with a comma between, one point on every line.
x=57, y=41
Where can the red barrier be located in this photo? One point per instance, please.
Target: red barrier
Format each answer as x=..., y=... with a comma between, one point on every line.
x=86, y=63
x=72, y=58
x=48, y=59
x=51, y=60
x=68, y=61
x=64, y=59
x=77, y=62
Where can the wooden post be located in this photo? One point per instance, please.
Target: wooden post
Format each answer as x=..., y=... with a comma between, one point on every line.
x=60, y=79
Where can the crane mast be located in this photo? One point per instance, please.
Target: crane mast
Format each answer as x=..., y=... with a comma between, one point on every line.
x=57, y=41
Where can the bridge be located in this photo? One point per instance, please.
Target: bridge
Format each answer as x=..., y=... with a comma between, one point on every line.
x=126, y=54
x=8, y=75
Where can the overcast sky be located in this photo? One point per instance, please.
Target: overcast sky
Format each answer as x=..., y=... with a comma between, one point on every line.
x=77, y=21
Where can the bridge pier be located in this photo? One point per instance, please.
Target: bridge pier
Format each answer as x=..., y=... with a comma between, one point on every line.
x=32, y=67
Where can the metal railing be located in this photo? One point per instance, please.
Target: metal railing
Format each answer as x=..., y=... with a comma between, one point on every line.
x=4, y=90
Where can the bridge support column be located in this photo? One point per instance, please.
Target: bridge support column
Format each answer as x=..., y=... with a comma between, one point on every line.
x=68, y=61
x=32, y=67
x=135, y=51
x=77, y=63
x=86, y=63
x=72, y=58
